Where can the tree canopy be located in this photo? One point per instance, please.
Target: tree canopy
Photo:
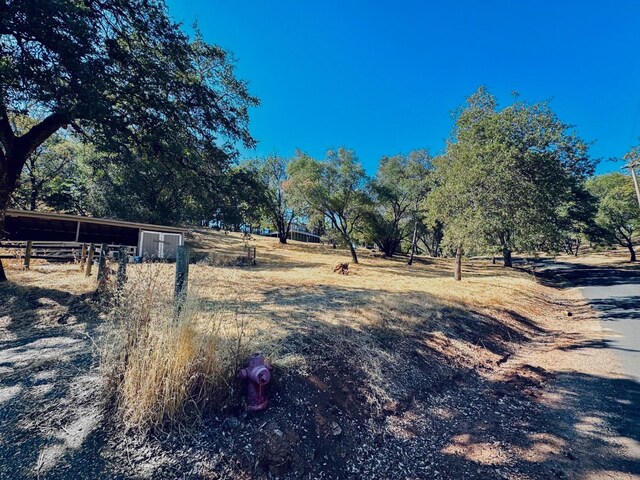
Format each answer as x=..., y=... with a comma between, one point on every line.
x=334, y=188
x=398, y=190
x=122, y=74
x=506, y=175
x=618, y=211
x=277, y=204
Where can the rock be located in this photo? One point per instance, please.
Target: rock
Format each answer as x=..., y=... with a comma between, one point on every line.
x=335, y=429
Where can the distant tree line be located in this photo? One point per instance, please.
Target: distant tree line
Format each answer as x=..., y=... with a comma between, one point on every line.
x=512, y=179
x=515, y=179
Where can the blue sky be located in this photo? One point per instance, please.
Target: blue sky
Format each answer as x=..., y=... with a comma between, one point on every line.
x=384, y=77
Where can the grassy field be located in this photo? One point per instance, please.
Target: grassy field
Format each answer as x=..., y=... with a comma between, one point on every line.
x=303, y=316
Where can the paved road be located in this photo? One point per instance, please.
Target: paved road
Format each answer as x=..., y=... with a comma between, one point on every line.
x=602, y=418
x=615, y=294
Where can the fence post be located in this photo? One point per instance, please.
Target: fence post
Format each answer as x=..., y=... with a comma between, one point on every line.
x=254, y=255
x=102, y=265
x=27, y=255
x=123, y=258
x=182, y=276
x=90, y=260
x=83, y=256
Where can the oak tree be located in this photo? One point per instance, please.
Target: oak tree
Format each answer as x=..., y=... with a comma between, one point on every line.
x=121, y=73
x=506, y=176
x=333, y=188
x=618, y=210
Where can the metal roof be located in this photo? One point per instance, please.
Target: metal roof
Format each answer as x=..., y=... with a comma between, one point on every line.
x=94, y=220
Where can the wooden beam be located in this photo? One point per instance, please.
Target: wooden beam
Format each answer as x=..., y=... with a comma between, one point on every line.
x=123, y=258
x=27, y=255
x=83, y=256
x=102, y=263
x=90, y=260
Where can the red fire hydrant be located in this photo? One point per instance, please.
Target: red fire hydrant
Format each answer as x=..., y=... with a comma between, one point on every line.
x=257, y=375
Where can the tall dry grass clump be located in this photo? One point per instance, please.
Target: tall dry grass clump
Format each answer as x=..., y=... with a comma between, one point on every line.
x=165, y=367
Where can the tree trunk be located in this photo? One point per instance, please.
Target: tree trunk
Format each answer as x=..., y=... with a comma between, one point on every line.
x=506, y=254
x=4, y=203
x=282, y=237
x=457, y=272
x=354, y=255
x=632, y=252
x=33, y=196
x=414, y=239
x=388, y=247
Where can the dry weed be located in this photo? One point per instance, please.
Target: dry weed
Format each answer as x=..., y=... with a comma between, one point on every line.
x=162, y=365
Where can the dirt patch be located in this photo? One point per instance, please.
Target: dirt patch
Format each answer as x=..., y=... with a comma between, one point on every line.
x=49, y=386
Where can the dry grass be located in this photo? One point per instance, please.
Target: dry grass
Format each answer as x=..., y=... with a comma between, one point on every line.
x=160, y=364
x=292, y=306
x=309, y=316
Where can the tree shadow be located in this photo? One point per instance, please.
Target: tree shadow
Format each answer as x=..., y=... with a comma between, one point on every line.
x=570, y=275
x=49, y=411
x=394, y=383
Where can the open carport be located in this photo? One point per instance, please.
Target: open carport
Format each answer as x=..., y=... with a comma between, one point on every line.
x=55, y=230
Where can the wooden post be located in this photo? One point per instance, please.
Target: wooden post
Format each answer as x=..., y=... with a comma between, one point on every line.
x=254, y=255
x=83, y=256
x=89, y=260
x=102, y=265
x=182, y=276
x=123, y=258
x=457, y=273
x=27, y=255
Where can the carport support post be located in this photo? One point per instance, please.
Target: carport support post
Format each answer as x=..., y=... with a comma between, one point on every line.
x=27, y=255
x=92, y=247
x=182, y=276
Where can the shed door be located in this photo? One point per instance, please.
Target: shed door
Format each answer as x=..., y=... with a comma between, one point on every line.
x=150, y=245
x=170, y=242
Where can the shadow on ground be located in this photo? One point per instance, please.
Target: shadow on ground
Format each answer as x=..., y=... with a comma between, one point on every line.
x=49, y=405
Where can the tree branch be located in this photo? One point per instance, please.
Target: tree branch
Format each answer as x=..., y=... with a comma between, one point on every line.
x=25, y=145
x=6, y=133
x=41, y=132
